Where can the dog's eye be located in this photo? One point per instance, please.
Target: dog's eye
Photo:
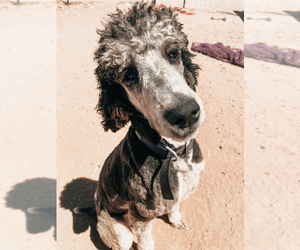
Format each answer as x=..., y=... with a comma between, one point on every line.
x=173, y=56
x=131, y=77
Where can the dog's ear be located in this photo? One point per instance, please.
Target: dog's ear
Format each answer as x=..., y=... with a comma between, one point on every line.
x=190, y=69
x=112, y=105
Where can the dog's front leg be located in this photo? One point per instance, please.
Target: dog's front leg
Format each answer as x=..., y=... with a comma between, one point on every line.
x=175, y=217
x=143, y=230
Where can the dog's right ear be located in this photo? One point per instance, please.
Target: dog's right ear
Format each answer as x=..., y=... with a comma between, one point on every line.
x=111, y=105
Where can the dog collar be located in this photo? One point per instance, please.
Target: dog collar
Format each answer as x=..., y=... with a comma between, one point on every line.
x=169, y=155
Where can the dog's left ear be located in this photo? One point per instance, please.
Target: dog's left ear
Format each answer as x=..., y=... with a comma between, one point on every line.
x=190, y=69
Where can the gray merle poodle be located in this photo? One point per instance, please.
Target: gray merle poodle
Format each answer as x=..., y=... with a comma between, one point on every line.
x=146, y=76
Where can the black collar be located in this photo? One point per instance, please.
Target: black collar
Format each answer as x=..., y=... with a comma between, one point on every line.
x=168, y=155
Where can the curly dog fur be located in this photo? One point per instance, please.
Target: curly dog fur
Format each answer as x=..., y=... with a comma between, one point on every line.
x=146, y=77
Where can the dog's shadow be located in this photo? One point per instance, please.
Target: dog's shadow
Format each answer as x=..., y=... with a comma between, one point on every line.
x=37, y=199
x=80, y=193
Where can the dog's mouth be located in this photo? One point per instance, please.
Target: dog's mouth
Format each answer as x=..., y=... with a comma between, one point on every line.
x=180, y=134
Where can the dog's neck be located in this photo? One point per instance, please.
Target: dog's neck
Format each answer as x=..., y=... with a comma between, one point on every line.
x=141, y=125
x=160, y=145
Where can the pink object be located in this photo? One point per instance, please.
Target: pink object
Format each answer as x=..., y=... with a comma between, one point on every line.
x=221, y=52
x=264, y=52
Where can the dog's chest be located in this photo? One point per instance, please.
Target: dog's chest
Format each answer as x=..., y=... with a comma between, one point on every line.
x=183, y=180
x=184, y=177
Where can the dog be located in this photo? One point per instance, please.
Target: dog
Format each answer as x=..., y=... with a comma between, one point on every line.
x=146, y=77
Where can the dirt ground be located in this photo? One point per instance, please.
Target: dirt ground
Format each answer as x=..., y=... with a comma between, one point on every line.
x=272, y=108
x=28, y=124
x=51, y=134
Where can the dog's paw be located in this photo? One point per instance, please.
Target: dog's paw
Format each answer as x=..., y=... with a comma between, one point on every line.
x=177, y=220
x=178, y=224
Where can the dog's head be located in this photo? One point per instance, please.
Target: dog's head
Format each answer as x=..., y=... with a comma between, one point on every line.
x=144, y=65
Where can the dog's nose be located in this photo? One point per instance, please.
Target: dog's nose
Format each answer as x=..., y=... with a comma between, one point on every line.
x=184, y=115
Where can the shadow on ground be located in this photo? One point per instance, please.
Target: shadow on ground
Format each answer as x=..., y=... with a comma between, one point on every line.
x=80, y=193
x=294, y=14
x=37, y=199
x=240, y=14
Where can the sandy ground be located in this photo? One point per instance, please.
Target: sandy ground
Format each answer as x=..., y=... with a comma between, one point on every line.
x=28, y=124
x=50, y=133
x=272, y=108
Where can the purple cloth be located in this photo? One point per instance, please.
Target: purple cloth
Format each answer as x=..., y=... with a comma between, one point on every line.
x=264, y=52
x=221, y=52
